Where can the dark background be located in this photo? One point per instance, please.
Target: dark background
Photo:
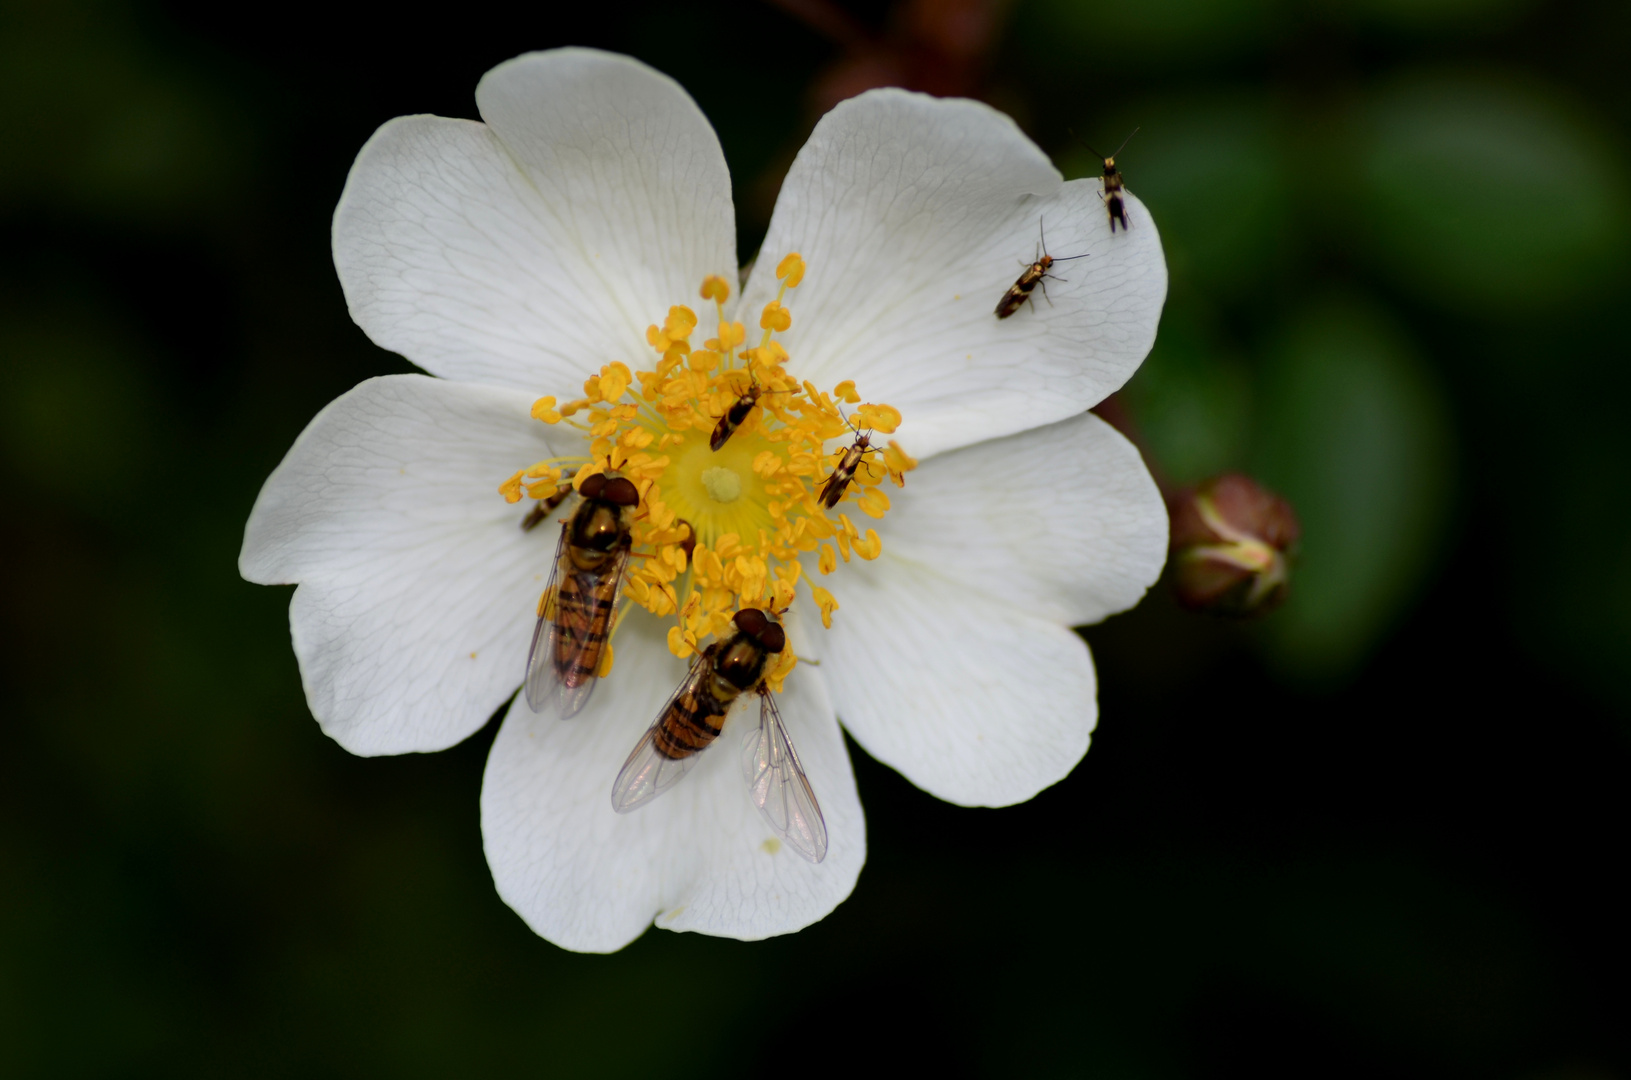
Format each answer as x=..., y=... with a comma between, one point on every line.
x=1379, y=833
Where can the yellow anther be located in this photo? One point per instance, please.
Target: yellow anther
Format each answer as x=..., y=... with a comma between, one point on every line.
x=605, y=662
x=544, y=605
x=775, y=318
x=884, y=418
x=680, y=322
x=790, y=271
x=586, y=472
x=874, y=503
x=511, y=488
x=543, y=490
x=719, y=623
x=780, y=668
x=748, y=505
x=898, y=463
x=615, y=378
x=824, y=600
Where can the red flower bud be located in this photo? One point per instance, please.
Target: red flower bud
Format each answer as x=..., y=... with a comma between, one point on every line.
x=1231, y=545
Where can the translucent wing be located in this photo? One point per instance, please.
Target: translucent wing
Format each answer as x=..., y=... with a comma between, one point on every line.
x=570, y=637
x=649, y=772
x=778, y=786
x=541, y=679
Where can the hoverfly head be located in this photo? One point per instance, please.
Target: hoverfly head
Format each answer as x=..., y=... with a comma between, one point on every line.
x=619, y=491
x=762, y=628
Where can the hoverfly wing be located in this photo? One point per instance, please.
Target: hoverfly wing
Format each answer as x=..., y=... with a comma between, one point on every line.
x=649, y=772
x=570, y=639
x=539, y=687
x=778, y=786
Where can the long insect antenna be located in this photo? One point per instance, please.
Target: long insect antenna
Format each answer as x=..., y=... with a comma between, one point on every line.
x=1089, y=145
x=1095, y=153
x=844, y=418
x=852, y=427
x=1123, y=145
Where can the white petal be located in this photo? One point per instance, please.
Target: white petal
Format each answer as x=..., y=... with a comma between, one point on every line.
x=698, y=857
x=973, y=700
x=1063, y=522
x=915, y=215
x=529, y=251
x=418, y=589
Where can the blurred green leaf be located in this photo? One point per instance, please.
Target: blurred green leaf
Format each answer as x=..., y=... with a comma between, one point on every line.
x=1356, y=434
x=1191, y=400
x=1155, y=32
x=77, y=413
x=92, y=120
x=1426, y=16
x=1485, y=194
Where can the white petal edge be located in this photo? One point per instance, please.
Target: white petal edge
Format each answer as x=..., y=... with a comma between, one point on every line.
x=973, y=700
x=530, y=250
x=915, y=215
x=418, y=590
x=698, y=857
x=1063, y=522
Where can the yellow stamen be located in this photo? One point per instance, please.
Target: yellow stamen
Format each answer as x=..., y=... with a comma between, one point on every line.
x=748, y=511
x=790, y=271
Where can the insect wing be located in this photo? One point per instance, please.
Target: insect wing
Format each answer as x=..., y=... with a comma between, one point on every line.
x=649, y=772
x=540, y=672
x=833, y=490
x=560, y=640
x=778, y=786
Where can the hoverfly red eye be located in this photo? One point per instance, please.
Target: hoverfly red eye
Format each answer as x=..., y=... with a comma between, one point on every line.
x=773, y=638
x=590, y=488
x=751, y=621
x=619, y=491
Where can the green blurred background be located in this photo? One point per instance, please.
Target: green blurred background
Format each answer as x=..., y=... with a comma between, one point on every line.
x=1378, y=833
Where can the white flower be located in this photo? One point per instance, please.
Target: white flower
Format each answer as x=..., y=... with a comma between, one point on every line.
x=517, y=257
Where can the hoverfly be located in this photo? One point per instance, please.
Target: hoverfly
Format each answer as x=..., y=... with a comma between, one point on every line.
x=1020, y=291
x=695, y=716
x=569, y=641
x=1114, y=203
x=737, y=413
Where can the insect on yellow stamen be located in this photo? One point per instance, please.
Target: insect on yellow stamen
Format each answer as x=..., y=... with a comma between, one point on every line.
x=720, y=528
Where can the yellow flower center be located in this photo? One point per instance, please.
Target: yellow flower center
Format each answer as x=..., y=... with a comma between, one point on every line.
x=746, y=510
x=722, y=485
